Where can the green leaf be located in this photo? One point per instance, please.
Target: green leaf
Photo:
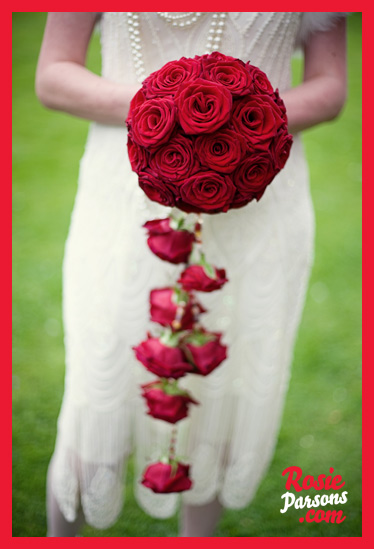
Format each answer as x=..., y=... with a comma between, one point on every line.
x=170, y=338
x=171, y=388
x=180, y=296
x=208, y=267
x=199, y=338
x=177, y=223
x=210, y=270
x=165, y=337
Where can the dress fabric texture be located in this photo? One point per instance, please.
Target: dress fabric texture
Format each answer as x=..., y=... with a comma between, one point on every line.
x=266, y=249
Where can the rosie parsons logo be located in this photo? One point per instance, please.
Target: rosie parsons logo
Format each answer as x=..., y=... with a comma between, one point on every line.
x=323, y=483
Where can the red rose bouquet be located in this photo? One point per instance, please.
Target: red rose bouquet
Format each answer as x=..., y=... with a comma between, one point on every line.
x=207, y=134
x=204, y=135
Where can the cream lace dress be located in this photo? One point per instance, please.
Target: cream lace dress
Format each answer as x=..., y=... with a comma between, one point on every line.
x=266, y=248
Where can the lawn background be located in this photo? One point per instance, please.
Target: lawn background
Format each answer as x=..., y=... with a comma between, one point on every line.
x=322, y=419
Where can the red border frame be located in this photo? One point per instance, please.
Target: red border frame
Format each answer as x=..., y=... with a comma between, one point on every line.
x=5, y=220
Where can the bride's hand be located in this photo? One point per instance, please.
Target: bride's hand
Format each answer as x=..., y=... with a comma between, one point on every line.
x=322, y=94
x=63, y=82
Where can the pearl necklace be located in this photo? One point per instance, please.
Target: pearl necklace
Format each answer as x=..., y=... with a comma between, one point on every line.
x=182, y=19
x=215, y=32
x=175, y=19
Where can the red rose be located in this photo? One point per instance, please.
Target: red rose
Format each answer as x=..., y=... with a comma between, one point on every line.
x=280, y=149
x=258, y=118
x=175, y=160
x=164, y=308
x=162, y=360
x=138, y=99
x=169, y=244
x=279, y=101
x=239, y=200
x=163, y=478
x=233, y=74
x=207, y=192
x=215, y=55
x=168, y=407
x=203, y=106
x=206, y=354
x=153, y=122
x=254, y=174
x=195, y=277
x=156, y=189
x=137, y=155
x=167, y=80
x=221, y=150
x=260, y=81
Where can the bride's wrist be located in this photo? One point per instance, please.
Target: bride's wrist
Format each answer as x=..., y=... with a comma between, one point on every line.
x=120, y=101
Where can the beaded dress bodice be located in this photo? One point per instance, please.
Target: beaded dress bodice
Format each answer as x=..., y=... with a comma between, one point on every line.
x=266, y=39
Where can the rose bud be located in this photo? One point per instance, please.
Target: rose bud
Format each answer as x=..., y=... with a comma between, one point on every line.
x=161, y=359
x=168, y=244
x=205, y=350
x=164, y=478
x=196, y=277
x=166, y=401
x=173, y=307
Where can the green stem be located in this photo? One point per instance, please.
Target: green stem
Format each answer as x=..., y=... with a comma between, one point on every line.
x=173, y=440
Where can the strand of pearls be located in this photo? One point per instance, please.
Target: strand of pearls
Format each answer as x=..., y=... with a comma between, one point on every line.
x=215, y=32
x=175, y=19
x=182, y=19
x=135, y=44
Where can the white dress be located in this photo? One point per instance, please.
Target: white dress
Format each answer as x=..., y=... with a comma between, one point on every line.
x=267, y=250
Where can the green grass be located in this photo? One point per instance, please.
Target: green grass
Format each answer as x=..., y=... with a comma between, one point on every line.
x=322, y=419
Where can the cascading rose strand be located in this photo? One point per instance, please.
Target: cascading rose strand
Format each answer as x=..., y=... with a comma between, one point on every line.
x=205, y=135
x=177, y=352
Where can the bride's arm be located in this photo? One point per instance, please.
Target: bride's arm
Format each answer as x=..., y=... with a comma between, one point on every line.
x=322, y=94
x=62, y=81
